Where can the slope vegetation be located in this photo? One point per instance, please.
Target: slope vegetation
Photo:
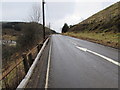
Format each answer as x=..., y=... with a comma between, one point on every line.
x=102, y=27
x=107, y=20
x=20, y=37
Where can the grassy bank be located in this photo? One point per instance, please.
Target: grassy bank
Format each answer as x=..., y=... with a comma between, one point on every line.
x=9, y=37
x=108, y=39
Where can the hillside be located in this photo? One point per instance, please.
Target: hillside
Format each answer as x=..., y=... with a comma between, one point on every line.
x=102, y=27
x=19, y=37
x=107, y=20
x=17, y=27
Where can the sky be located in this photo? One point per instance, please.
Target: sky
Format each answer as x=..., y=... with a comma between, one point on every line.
x=56, y=12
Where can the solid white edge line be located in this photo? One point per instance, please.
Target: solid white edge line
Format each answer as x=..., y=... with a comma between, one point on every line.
x=104, y=57
x=48, y=69
x=24, y=82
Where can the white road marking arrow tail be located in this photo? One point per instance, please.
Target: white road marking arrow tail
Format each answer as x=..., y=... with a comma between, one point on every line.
x=104, y=57
x=83, y=49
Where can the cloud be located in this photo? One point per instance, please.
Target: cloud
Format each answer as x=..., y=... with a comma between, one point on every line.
x=70, y=20
x=60, y=13
x=59, y=0
x=0, y=11
x=82, y=11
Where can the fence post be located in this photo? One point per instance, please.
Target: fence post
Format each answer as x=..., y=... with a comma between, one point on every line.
x=39, y=47
x=17, y=76
x=30, y=60
x=26, y=66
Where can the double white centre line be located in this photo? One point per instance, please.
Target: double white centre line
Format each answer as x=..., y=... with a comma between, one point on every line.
x=97, y=54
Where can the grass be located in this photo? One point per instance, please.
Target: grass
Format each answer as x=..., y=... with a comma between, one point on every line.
x=9, y=37
x=13, y=78
x=16, y=75
x=108, y=39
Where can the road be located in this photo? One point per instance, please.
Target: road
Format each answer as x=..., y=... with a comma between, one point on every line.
x=76, y=63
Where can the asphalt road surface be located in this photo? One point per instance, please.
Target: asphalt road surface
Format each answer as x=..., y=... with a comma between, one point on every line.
x=76, y=63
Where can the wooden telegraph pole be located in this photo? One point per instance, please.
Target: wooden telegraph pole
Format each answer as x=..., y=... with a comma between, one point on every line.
x=43, y=9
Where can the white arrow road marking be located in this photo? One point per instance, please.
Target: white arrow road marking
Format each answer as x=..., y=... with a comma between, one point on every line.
x=74, y=43
x=83, y=49
x=104, y=57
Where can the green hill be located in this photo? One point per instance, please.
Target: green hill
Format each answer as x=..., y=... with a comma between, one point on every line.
x=107, y=20
x=20, y=37
x=16, y=29
x=102, y=27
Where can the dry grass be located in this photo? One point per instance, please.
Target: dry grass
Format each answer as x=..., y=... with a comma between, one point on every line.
x=9, y=37
x=15, y=76
x=108, y=39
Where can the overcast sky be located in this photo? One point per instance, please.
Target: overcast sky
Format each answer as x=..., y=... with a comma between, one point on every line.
x=57, y=13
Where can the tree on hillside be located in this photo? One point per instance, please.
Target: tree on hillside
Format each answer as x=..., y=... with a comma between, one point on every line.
x=35, y=15
x=29, y=36
x=65, y=28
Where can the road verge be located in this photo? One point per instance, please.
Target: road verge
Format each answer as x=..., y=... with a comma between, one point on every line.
x=24, y=82
x=107, y=39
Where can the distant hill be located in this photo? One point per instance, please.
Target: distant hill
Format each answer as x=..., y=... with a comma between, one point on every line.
x=23, y=35
x=16, y=28
x=107, y=20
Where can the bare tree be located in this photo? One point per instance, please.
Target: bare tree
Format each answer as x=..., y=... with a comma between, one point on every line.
x=35, y=15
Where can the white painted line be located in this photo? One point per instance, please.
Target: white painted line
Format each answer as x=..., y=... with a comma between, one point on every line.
x=73, y=42
x=104, y=57
x=24, y=82
x=83, y=49
x=48, y=69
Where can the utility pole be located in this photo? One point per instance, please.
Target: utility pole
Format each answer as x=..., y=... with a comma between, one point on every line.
x=43, y=9
x=49, y=25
